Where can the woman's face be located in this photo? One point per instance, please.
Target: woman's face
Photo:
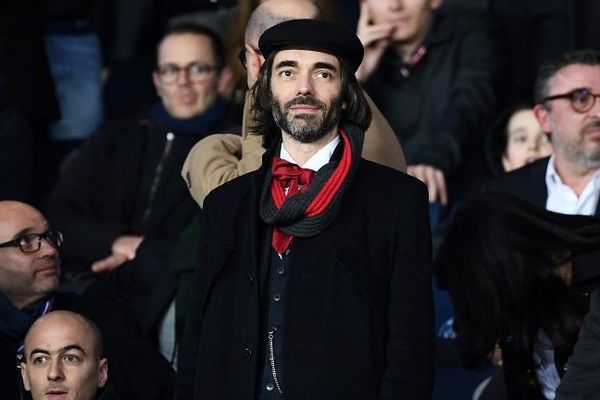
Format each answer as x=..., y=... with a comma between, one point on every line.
x=526, y=141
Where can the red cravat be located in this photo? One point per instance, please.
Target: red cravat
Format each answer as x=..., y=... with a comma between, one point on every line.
x=295, y=179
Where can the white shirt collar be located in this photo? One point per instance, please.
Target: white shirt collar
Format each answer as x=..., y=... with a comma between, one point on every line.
x=562, y=199
x=318, y=159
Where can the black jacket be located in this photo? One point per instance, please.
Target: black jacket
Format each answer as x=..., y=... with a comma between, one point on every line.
x=358, y=322
x=529, y=183
x=124, y=179
x=442, y=109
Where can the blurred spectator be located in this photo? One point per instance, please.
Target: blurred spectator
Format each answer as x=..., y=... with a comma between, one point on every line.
x=566, y=107
x=73, y=52
x=435, y=77
x=122, y=184
x=516, y=139
x=509, y=268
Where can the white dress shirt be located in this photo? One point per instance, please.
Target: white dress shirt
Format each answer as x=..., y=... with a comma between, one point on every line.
x=562, y=199
x=318, y=159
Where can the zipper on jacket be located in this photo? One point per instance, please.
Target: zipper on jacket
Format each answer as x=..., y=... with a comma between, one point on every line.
x=272, y=359
x=158, y=175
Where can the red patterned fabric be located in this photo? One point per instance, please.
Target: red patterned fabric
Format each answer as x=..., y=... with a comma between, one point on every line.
x=295, y=179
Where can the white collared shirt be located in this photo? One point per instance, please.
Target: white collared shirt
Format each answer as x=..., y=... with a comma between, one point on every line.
x=318, y=159
x=562, y=199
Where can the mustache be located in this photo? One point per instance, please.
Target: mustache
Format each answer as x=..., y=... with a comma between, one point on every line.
x=305, y=100
x=593, y=124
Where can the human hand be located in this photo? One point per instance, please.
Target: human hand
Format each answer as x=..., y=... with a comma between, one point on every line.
x=123, y=249
x=434, y=179
x=109, y=263
x=127, y=245
x=496, y=356
x=374, y=38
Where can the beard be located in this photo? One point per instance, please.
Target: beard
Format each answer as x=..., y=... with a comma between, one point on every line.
x=581, y=151
x=310, y=127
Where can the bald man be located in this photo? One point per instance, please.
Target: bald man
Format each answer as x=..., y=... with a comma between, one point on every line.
x=221, y=158
x=29, y=280
x=63, y=358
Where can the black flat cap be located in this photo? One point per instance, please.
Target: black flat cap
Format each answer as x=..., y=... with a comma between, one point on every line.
x=313, y=35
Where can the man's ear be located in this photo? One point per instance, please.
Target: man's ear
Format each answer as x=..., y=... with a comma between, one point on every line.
x=542, y=115
x=25, y=377
x=102, y=372
x=225, y=81
x=254, y=62
x=156, y=83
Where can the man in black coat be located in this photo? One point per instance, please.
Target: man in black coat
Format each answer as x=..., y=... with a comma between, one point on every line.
x=29, y=274
x=436, y=76
x=313, y=282
x=568, y=182
x=123, y=184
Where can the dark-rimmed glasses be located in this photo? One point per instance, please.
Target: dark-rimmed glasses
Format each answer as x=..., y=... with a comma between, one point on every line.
x=31, y=242
x=581, y=99
x=196, y=72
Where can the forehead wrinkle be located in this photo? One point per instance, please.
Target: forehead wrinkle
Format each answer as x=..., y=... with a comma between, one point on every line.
x=31, y=229
x=63, y=349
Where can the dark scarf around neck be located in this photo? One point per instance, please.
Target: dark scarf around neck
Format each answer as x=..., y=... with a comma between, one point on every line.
x=310, y=212
x=15, y=323
x=200, y=125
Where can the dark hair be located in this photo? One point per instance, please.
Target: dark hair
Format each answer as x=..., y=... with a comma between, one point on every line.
x=191, y=28
x=547, y=71
x=356, y=108
x=496, y=140
x=501, y=262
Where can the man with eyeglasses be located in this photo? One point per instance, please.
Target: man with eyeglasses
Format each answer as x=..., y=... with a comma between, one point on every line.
x=566, y=94
x=568, y=182
x=122, y=184
x=30, y=269
x=29, y=275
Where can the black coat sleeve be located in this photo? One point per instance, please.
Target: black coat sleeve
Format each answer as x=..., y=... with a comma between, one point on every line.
x=409, y=348
x=83, y=203
x=582, y=379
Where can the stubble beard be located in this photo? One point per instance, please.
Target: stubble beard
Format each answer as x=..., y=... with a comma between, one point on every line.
x=582, y=151
x=307, y=128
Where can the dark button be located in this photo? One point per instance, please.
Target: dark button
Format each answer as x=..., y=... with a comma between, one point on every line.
x=276, y=297
x=247, y=353
x=270, y=387
x=251, y=279
x=280, y=270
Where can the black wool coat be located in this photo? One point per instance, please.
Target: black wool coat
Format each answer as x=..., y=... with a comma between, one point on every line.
x=358, y=316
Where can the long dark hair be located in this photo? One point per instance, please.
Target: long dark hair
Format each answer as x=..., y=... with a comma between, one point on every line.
x=501, y=263
x=356, y=108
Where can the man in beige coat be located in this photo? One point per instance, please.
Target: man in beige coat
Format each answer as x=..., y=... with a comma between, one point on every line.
x=221, y=158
